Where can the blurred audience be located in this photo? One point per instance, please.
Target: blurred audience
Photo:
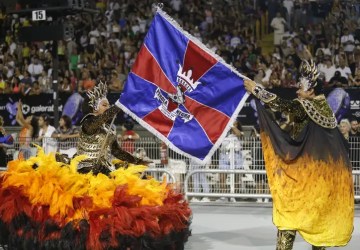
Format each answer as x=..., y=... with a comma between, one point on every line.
x=105, y=45
x=128, y=137
x=354, y=130
x=345, y=128
x=29, y=131
x=66, y=135
x=49, y=144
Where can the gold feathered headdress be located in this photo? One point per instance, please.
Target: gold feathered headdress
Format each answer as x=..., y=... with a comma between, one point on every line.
x=310, y=73
x=96, y=95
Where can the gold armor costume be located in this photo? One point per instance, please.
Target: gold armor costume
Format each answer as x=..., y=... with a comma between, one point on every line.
x=308, y=168
x=300, y=111
x=99, y=143
x=98, y=137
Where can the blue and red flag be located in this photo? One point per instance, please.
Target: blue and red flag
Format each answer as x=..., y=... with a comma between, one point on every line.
x=182, y=92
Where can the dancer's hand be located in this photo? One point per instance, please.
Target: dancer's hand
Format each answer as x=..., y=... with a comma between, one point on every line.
x=249, y=85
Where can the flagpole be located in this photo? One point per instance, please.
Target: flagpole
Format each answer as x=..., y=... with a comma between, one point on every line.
x=106, y=137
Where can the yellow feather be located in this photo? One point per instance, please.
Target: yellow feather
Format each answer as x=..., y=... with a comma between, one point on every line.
x=75, y=162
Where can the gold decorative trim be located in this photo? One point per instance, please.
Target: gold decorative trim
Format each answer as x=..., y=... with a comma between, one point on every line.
x=316, y=116
x=263, y=94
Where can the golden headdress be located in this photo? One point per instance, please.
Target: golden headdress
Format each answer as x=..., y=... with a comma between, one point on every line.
x=96, y=95
x=310, y=73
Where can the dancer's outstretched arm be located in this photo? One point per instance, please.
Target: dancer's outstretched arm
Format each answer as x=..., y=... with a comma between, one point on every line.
x=276, y=103
x=91, y=123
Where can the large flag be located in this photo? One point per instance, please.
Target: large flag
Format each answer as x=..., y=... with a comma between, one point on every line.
x=182, y=92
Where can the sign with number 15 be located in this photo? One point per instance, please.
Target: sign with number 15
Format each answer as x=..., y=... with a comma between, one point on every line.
x=38, y=15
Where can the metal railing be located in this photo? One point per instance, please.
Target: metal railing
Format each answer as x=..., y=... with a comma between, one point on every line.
x=155, y=173
x=243, y=191
x=356, y=178
x=236, y=170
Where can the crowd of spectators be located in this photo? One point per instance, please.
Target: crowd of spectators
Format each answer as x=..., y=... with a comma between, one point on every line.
x=331, y=37
x=105, y=45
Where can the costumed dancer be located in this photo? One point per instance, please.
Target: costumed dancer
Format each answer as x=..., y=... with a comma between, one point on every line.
x=49, y=204
x=98, y=138
x=307, y=165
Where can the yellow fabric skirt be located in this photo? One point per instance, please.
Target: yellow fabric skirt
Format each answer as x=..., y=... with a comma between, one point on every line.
x=314, y=197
